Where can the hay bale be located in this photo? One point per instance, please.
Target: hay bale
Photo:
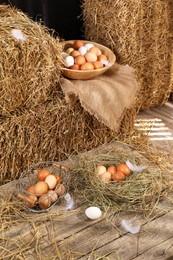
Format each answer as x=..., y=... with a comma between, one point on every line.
x=139, y=34
x=51, y=131
x=29, y=66
x=36, y=123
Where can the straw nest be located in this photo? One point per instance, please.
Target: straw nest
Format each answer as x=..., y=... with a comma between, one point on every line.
x=140, y=192
x=139, y=34
x=29, y=63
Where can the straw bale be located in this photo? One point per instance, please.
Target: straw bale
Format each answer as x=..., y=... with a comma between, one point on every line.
x=29, y=66
x=52, y=130
x=139, y=34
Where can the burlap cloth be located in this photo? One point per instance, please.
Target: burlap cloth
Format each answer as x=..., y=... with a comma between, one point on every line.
x=107, y=96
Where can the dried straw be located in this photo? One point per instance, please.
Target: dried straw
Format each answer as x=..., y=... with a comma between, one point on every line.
x=51, y=131
x=140, y=35
x=29, y=68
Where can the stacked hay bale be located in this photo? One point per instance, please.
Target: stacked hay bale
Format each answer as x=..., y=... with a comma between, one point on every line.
x=139, y=34
x=36, y=124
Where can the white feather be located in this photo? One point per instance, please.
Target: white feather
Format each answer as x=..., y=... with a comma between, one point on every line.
x=69, y=202
x=18, y=34
x=134, y=167
x=127, y=226
x=105, y=62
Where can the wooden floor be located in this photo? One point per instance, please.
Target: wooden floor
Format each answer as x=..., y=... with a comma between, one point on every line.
x=157, y=123
x=96, y=239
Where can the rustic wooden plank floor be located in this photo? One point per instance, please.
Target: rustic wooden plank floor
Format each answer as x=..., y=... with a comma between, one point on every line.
x=158, y=124
x=91, y=240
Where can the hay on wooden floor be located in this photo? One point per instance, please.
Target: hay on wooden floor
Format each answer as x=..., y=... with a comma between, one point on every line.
x=30, y=66
x=24, y=234
x=140, y=35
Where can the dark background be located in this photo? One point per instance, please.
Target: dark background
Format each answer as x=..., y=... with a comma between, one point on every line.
x=63, y=16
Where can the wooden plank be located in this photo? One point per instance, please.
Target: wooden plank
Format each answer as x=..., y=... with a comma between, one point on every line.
x=163, y=251
x=165, y=110
x=153, y=115
x=130, y=246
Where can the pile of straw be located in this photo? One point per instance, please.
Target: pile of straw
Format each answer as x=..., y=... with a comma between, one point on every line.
x=139, y=33
x=29, y=65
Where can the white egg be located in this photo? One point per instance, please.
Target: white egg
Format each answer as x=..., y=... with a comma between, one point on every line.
x=93, y=212
x=64, y=55
x=89, y=46
x=82, y=50
x=69, y=61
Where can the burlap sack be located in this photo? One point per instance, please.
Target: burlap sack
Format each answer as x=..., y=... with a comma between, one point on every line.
x=107, y=96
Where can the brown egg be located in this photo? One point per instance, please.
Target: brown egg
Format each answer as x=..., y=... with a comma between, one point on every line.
x=75, y=67
x=75, y=53
x=118, y=176
x=87, y=66
x=112, y=169
x=69, y=50
x=102, y=57
x=44, y=202
x=77, y=44
x=52, y=195
x=41, y=187
x=95, y=50
x=31, y=202
x=90, y=57
x=60, y=190
x=97, y=64
x=105, y=177
x=58, y=179
x=122, y=167
x=100, y=169
x=42, y=174
x=51, y=181
x=79, y=60
x=31, y=189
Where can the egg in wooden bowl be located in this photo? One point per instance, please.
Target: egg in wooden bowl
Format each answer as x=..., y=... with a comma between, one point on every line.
x=85, y=59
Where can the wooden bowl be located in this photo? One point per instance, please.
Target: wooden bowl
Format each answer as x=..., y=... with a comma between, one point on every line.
x=88, y=74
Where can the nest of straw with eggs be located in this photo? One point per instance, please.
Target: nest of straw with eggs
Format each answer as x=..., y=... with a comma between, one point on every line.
x=127, y=35
x=137, y=191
